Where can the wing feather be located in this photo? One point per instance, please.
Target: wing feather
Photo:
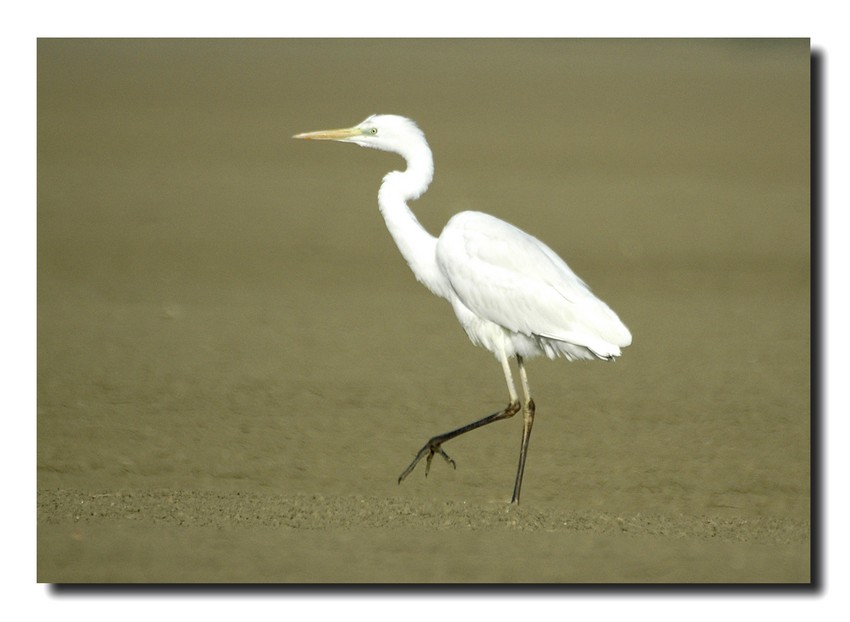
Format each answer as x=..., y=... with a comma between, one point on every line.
x=511, y=278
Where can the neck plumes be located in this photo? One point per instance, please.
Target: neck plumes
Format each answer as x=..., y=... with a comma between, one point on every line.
x=417, y=246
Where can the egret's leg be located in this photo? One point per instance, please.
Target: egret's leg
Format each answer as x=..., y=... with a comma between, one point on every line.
x=434, y=444
x=527, y=422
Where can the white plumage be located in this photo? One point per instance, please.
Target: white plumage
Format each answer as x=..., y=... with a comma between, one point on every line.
x=517, y=286
x=512, y=294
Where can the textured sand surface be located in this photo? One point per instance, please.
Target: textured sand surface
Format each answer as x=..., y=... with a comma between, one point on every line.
x=235, y=364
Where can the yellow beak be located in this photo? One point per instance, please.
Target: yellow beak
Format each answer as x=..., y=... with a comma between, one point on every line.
x=330, y=134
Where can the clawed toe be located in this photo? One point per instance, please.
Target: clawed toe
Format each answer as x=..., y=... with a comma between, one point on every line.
x=430, y=449
x=437, y=449
x=435, y=443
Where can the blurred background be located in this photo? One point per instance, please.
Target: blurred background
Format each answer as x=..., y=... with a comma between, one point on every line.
x=220, y=307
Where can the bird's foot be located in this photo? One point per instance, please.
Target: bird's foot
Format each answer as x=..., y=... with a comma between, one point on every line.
x=432, y=447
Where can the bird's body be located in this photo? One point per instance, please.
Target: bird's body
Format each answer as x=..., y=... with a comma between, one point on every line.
x=512, y=294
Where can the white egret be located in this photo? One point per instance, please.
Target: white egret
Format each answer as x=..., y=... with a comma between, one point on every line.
x=511, y=293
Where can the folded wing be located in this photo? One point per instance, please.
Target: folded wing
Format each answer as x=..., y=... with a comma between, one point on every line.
x=511, y=278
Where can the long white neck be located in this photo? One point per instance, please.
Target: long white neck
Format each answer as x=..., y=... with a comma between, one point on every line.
x=417, y=246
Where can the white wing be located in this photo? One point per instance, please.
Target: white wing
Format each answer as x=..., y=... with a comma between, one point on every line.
x=511, y=278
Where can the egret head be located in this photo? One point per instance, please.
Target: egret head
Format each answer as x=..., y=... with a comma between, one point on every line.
x=387, y=132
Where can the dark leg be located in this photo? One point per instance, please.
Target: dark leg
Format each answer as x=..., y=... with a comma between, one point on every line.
x=527, y=422
x=433, y=446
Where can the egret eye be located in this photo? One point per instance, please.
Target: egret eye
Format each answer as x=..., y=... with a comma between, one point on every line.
x=373, y=131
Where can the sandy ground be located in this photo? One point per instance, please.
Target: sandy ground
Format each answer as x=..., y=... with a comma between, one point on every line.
x=235, y=364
